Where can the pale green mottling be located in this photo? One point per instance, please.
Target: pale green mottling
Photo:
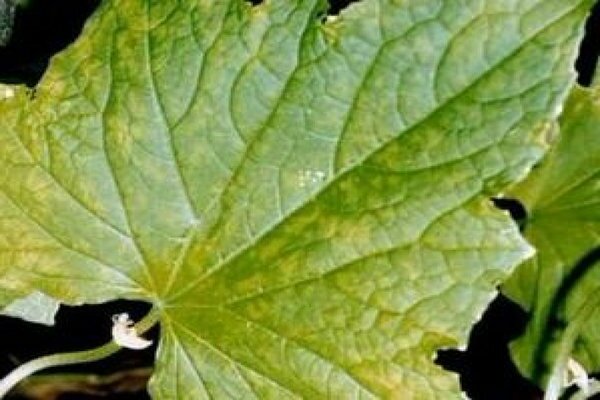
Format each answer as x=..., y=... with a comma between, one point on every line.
x=307, y=201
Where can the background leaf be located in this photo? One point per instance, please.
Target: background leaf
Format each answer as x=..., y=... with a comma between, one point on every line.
x=306, y=202
x=36, y=307
x=559, y=286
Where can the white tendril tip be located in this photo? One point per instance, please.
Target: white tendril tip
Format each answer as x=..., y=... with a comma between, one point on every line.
x=576, y=375
x=125, y=335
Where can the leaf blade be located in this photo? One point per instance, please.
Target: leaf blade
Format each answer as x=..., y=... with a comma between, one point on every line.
x=269, y=191
x=562, y=197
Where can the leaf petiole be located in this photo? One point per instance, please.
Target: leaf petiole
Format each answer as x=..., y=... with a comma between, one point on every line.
x=555, y=385
x=75, y=357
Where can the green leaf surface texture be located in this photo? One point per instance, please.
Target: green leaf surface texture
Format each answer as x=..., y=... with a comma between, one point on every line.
x=305, y=199
x=559, y=286
x=36, y=307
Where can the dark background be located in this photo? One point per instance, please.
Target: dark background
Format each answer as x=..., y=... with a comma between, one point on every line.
x=46, y=27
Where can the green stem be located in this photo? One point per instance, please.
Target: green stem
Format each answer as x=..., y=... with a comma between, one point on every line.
x=76, y=357
x=555, y=387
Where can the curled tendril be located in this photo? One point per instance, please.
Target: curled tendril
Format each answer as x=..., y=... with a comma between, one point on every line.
x=125, y=335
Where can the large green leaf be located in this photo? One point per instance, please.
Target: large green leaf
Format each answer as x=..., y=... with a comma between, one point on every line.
x=560, y=285
x=306, y=201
